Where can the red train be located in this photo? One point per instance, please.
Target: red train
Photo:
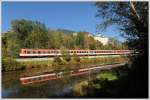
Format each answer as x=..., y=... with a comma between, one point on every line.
x=54, y=52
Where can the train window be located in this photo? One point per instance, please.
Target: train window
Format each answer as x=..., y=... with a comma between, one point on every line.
x=34, y=52
x=28, y=52
x=24, y=52
x=39, y=52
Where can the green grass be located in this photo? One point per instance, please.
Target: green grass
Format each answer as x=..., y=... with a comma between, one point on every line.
x=109, y=75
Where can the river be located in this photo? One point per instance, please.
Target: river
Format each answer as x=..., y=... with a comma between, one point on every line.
x=12, y=88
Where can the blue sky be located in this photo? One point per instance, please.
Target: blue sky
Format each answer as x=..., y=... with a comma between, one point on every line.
x=77, y=16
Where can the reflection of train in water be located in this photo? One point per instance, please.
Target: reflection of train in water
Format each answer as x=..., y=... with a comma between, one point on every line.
x=54, y=52
x=53, y=76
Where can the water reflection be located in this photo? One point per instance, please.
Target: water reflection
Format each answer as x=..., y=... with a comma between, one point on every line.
x=11, y=87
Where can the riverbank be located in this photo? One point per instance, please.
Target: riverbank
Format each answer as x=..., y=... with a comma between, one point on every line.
x=64, y=65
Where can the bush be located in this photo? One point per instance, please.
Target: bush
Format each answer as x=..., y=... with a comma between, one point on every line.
x=67, y=58
x=10, y=64
x=57, y=60
x=65, y=54
x=76, y=57
x=80, y=89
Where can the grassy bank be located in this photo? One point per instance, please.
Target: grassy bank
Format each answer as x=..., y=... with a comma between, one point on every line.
x=62, y=65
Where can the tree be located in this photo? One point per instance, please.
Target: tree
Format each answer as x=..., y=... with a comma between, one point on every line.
x=22, y=28
x=55, y=40
x=114, y=44
x=65, y=54
x=80, y=40
x=91, y=43
x=10, y=44
x=37, y=39
x=132, y=19
x=26, y=29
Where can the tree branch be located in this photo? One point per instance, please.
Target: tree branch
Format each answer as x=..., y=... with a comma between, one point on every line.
x=134, y=10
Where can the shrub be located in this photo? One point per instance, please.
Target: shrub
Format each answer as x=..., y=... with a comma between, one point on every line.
x=57, y=60
x=67, y=58
x=76, y=57
x=65, y=55
x=80, y=89
x=10, y=64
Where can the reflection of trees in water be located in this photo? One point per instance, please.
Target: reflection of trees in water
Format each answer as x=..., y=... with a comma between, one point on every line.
x=52, y=88
x=10, y=79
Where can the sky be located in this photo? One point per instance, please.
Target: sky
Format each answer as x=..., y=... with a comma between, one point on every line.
x=76, y=16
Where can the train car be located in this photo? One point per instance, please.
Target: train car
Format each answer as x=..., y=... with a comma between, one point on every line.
x=57, y=52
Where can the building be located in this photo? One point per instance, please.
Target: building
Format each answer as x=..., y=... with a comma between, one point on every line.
x=102, y=39
x=99, y=37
